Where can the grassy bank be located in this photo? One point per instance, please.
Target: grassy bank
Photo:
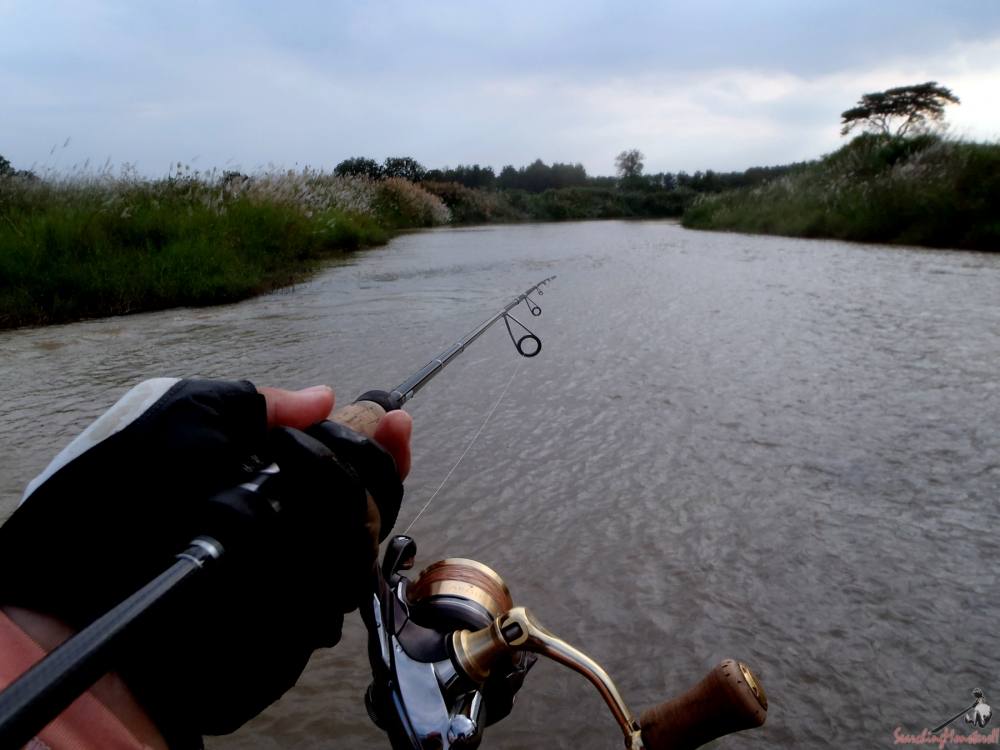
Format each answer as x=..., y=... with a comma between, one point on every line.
x=93, y=245
x=924, y=190
x=103, y=245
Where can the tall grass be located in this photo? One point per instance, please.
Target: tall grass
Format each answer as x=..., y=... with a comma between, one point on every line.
x=923, y=191
x=87, y=245
x=401, y=204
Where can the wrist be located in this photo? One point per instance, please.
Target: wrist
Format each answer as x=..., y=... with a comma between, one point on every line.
x=42, y=634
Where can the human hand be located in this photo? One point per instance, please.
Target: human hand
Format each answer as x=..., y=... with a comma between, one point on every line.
x=302, y=408
x=129, y=493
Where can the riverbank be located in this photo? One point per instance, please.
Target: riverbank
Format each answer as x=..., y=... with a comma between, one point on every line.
x=925, y=190
x=97, y=245
x=107, y=245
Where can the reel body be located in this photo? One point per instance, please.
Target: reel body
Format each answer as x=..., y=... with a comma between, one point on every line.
x=419, y=696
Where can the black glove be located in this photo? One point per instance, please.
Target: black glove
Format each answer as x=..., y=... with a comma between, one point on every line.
x=111, y=518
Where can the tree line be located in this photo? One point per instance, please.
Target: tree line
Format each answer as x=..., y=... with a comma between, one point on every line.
x=538, y=176
x=534, y=178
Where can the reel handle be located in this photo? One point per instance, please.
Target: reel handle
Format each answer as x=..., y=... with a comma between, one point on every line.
x=728, y=699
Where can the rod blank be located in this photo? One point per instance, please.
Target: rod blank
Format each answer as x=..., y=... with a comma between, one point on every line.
x=405, y=390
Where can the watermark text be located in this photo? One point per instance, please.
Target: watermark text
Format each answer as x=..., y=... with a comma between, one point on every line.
x=945, y=737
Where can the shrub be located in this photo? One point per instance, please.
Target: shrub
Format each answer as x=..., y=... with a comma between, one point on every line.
x=469, y=206
x=400, y=204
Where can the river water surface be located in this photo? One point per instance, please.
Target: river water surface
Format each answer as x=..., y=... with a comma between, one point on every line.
x=779, y=450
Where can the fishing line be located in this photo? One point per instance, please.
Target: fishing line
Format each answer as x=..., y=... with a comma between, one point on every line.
x=467, y=448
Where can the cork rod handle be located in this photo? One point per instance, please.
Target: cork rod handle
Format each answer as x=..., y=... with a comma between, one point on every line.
x=361, y=416
x=728, y=699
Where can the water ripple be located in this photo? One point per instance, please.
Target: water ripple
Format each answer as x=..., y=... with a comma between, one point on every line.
x=773, y=449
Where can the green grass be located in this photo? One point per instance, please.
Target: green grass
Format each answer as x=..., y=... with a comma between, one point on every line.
x=79, y=248
x=919, y=191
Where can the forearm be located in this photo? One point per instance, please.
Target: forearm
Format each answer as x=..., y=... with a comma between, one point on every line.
x=110, y=691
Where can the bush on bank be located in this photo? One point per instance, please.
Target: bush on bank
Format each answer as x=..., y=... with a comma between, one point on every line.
x=474, y=206
x=925, y=190
x=106, y=245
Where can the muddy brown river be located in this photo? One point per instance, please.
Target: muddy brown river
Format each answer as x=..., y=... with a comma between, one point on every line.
x=779, y=450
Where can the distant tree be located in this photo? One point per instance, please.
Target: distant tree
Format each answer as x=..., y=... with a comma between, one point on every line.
x=629, y=163
x=483, y=177
x=473, y=176
x=899, y=111
x=568, y=175
x=536, y=177
x=508, y=178
x=405, y=167
x=5, y=167
x=358, y=166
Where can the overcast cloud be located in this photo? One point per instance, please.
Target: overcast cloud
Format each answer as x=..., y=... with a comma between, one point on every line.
x=706, y=85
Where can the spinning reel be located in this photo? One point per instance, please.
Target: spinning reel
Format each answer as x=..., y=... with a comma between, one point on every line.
x=449, y=651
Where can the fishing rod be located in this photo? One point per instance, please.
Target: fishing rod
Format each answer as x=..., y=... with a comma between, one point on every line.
x=47, y=688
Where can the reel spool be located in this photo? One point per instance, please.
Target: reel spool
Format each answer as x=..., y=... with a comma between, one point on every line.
x=457, y=593
x=461, y=595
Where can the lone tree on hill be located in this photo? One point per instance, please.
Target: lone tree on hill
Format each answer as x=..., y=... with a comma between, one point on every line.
x=359, y=166
x=629, y=163
x=912, y=107
x=403, y=166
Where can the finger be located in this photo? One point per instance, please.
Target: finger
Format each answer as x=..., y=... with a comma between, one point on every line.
x=393, y=434
x=297, y=409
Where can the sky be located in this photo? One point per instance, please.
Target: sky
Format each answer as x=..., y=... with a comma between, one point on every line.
x=254, y=85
